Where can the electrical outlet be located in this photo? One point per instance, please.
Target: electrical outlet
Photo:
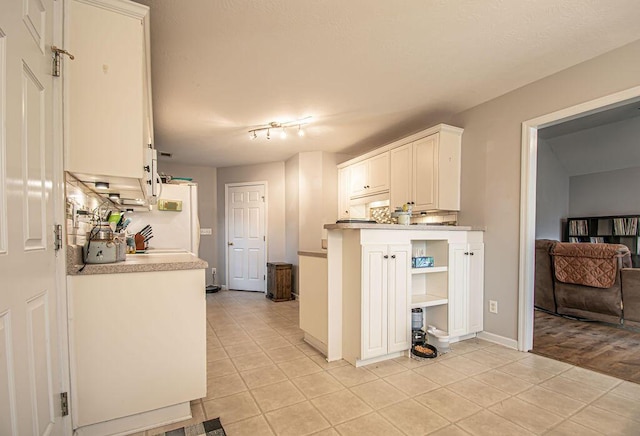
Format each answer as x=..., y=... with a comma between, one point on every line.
x=213, y=271
x=493, y=306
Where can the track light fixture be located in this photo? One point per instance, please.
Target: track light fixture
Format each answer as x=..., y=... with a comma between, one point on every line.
x=253, y=133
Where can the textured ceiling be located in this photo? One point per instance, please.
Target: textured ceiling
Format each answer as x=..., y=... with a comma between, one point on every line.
x=368, y=71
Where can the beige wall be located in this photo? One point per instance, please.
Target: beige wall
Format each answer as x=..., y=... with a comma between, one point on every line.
x=491, y=164
x=292, y=195
x=206, y=179
x=312, y=201
x=272, y=173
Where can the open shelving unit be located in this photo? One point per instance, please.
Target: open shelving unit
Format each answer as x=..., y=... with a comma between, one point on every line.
x=615, y=229
x=430, y=285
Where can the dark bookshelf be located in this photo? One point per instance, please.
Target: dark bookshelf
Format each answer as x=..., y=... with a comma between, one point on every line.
x=615, y=229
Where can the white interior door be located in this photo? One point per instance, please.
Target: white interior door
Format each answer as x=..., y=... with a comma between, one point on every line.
x=246, y=257
x=29, y=353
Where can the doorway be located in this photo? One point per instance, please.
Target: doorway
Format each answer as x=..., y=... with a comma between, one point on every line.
x=528, y=199
x=245, y=229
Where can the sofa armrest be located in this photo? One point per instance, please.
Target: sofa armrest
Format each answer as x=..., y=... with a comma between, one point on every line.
x=630, y=281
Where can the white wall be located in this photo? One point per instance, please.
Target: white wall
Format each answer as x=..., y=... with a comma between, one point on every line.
x=274, y=174
x=552, y=194
x=605, y=193
x=491, y=146
x=207, y=206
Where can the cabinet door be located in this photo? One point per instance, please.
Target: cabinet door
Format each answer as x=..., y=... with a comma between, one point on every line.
x=374, y=301
x=400, y=164
x=458, y=289
x=399, y=298
x=425, y=173
x=343, y=193
x=358, y=176
x=105, y=93
x=476, y=287
x=378, y=174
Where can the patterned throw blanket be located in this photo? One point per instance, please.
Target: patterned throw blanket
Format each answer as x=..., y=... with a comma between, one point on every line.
x=587, y=264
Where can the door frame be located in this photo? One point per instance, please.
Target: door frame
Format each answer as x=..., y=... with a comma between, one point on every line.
x=528, y=179
x=59, y=208
x=226, y=225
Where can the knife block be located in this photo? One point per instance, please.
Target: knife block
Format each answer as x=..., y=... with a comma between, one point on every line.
x=140, y=245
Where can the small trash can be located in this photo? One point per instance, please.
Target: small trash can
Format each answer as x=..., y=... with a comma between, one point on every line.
x=439, y=339
x=279, y=281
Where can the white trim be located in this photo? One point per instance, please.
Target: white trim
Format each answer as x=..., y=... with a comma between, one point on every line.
x=226, y=227
x=528, y=199
x=389, y=356
x=500, y=340
x=59, y=217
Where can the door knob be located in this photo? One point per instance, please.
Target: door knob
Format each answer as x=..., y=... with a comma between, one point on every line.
x=230, y=243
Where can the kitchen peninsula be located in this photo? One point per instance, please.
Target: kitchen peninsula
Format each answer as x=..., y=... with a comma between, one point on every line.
x=372, y=288
x=137, y=339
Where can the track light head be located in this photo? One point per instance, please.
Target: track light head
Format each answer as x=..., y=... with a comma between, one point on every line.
x=253, y=133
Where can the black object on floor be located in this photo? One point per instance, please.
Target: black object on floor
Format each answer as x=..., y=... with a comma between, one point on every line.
x=211, y=289
x=212, y=427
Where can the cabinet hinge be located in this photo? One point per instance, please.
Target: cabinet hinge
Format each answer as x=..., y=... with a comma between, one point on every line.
x=57, y=237
x=55, y=69
x=264, y=238
x=264, y=277
x=64, y=403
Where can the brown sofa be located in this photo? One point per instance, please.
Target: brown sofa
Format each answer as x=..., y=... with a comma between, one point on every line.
x=586, y=281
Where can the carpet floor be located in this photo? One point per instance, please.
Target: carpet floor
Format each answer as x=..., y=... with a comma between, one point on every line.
x=601, y=347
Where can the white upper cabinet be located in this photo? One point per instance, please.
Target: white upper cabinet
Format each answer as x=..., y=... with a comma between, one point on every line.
x=343, y=192
x=108, y=89
x=426, y=172
x=423, y=169
x=371, y=176
x=400, y=177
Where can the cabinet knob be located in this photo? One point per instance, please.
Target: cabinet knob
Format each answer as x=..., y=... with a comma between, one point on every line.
x=386, y=257
x=466, y=253
x=231, y=243
x=393, y=256
x=471, y=253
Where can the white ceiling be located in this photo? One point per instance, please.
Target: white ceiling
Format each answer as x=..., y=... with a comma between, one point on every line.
x=368, y=71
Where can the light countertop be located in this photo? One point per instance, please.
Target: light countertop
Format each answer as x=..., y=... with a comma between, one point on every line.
x=419, y=227
x=148, y=262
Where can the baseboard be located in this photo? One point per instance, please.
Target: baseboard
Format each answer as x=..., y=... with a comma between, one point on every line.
x=496, y=339
x=316, y=343
x=139, y=422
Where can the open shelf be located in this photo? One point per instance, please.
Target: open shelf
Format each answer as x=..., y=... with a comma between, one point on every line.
x=430, y=269
x=427, y=300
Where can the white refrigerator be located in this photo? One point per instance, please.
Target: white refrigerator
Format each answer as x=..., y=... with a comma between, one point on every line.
x=172, y=230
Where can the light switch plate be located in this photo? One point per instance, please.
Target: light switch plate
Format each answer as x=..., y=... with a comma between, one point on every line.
x=205, y=232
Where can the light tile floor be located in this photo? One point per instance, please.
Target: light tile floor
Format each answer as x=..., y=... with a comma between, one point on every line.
x=264, y=380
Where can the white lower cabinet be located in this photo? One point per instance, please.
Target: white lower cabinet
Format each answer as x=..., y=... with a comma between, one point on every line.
x=466, y=288
x=371, y=276
x=385, y=293
x=137, y=348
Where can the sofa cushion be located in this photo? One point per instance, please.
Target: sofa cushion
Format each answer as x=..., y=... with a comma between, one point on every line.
x=594, y=265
